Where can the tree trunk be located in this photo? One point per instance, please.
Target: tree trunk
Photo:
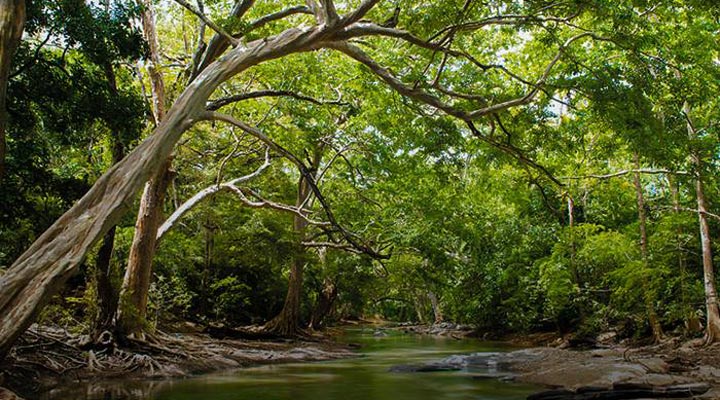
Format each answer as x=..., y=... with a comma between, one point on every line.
x=573, y=245
x=437, y=311
x=107, y=294
x=642, y=218
x=712, y=328
x=157, y=84
x=326, y=300
x=136, y=284
x=692, y=323
x=12, y=23
x=287, y=323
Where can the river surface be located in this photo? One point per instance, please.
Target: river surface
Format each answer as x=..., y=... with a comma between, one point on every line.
x=363, y=378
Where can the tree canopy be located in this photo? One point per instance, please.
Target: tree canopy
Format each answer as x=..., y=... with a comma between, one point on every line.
x=516, y=165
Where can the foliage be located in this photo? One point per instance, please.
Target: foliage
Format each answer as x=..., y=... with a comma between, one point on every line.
x=479, y=218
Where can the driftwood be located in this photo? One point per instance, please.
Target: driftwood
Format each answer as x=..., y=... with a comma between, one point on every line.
x=624, y=391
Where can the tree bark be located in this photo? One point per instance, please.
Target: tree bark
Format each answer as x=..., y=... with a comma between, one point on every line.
x=136, y=283
x=287, y=322
x=325, y=303
x=12, y=23
x=712, y=328
x=437, y=311
x=132, y=310
x=157, y=84
x=642, y=219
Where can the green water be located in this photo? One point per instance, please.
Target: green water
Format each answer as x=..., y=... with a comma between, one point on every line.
x=363, y=378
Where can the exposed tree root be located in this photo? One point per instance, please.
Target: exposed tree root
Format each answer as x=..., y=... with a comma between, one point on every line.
x=46, y=356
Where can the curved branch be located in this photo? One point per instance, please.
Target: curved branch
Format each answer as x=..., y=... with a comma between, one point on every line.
x=210, y=190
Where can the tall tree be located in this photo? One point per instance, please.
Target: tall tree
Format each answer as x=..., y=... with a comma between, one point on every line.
x=12, y=22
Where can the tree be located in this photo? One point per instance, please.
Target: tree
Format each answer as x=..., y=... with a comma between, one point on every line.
x=42, y=269
x=12, y=22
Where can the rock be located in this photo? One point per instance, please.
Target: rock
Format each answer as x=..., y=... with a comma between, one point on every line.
x=606, y=337
x=555, y=394
x=624, y=391
x=379, y=334
x=655, y=365
x=424, y=368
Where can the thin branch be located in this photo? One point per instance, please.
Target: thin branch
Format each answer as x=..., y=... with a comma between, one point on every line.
x=278, y=15
x=332, y=245
x=234, y=42
x=338, y=154
x=514, y=152
x=222, y=102
x=692, y=210
x=625, y=172
x=243, y=194
x=199, y=196
x=35, y=56
x=350, y=237
x=427, y=98
x=358, y=14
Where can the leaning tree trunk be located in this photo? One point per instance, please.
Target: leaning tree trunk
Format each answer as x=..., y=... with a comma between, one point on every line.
x=45, y=266
x=12, y=23
x=642, y=218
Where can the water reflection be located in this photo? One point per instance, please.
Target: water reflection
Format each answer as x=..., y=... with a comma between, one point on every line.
x=362, y=378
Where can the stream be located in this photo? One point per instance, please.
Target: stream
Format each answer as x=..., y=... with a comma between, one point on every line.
x=363, y=378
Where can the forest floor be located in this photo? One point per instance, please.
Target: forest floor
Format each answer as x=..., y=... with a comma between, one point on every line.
x=46, y=358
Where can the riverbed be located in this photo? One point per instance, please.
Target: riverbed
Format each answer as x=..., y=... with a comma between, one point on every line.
x=363, y=377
